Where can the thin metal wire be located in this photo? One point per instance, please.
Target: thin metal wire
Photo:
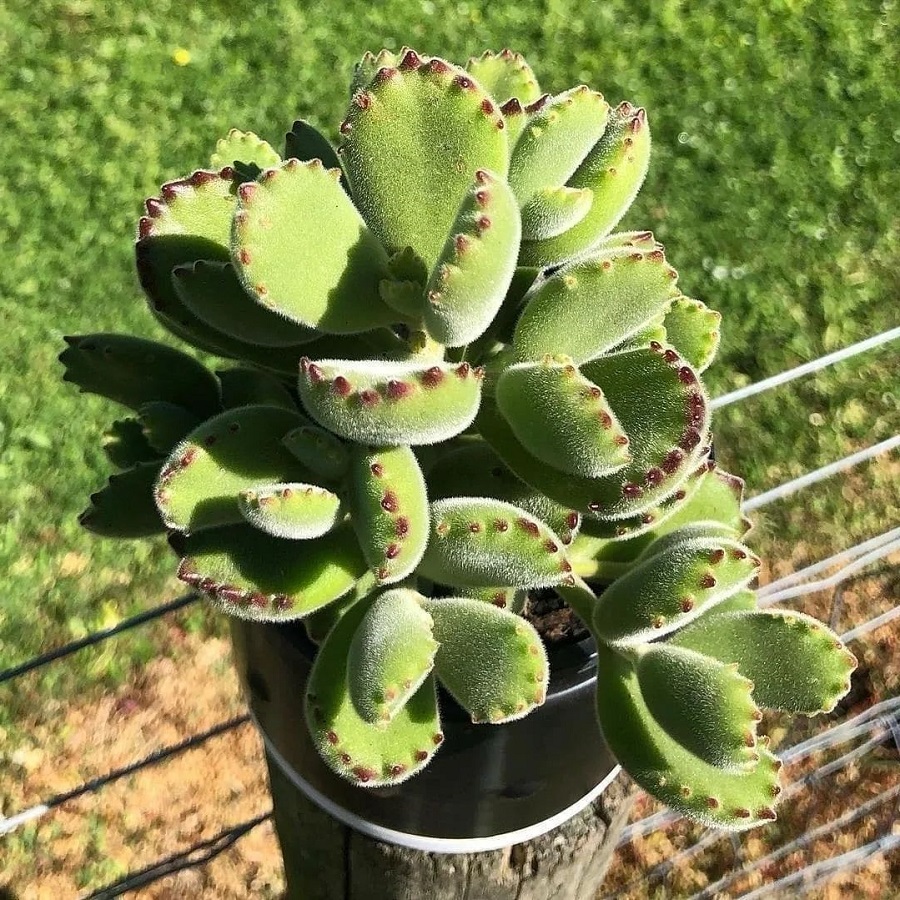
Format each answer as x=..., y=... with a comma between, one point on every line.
x=842, y=558
x=883, y=728
x=843, y=732
x=806, y=369
x=813, y=875
x=878, y=622
x=10, y=824
x=856, y=753
x=824, y=584
x=797, y=844
x=197, y=855
x=95, y=637
x=796, y=484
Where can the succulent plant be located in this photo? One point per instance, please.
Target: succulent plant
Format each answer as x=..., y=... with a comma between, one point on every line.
x=451, y=383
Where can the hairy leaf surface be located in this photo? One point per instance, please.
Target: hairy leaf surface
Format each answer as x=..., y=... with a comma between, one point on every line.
x=392, y=653
x=794, y=661
x=389, y=505
x=239, y=449
x=367, y=756
x=492, y=661
x=414, y=137
x=479, y=542
x=301, y=249
x=717, y=797
x=254, y=575
x=390, y=403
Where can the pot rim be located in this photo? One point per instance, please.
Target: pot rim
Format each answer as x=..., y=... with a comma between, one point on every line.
x=422, y=842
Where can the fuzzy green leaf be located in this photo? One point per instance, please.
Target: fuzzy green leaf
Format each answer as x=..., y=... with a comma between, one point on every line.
x=551, y=211
x=252, y=387
x=244, y=148
x=654, y=330
x=319, y=450
x=165, y=424
x=191, y=220
x=510, y=598
x=480, y=542
x=693, y=330
x=718, y=499
x=626, y=538
x=125, y=507
x=712, y=498
x=199, y=206
x=794, y=661
x=389, y=505
x=212, y=292
x=593, y=304
x=133, y=371
x=305, y=142
x=559, y=134
x=403, y=296
x=505, y=322
x=156, y=259
x=673, y=586
x=515, y=118
x=405, y=265
x=639, y=240
x=391, y=654
x=663, y=410
x=687, y=533
x=301, y=249
x=413, y=139
x=390, y=403
x=504, y=75
x=614, y=170
x=125, y=444
x=296, y=511
x=562, y=418
x=253, y=575
x=239, y=449
x=702, y=703
x=475, y=470
x=473, y=273
x=720, y=798
x=491, y=661
x=742, y=601
x=188, y=327
x=365, y=754
x=364, y=71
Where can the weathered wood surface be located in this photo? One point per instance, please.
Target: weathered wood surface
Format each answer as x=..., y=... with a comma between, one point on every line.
x=325, y=860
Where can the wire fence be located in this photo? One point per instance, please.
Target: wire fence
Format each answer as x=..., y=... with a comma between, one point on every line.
x=863, y=733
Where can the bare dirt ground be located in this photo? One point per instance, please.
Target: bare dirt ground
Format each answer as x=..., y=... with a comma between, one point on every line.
x=134, y=822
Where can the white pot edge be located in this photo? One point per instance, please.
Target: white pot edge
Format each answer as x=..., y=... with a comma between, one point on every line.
x=423, y=842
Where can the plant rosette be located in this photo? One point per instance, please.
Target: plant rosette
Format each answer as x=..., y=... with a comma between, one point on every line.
x=449, y=385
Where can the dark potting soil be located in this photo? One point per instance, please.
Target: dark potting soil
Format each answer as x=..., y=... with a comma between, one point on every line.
x=553, y=618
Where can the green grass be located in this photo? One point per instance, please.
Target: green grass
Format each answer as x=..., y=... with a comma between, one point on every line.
x=774, y=184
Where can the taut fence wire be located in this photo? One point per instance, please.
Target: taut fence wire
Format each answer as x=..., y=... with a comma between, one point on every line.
x=866, y=731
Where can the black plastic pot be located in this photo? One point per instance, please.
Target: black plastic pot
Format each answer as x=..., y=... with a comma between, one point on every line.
x=487, y=787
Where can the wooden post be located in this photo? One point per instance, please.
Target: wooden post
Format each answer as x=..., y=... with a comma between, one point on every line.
x=325, y=860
